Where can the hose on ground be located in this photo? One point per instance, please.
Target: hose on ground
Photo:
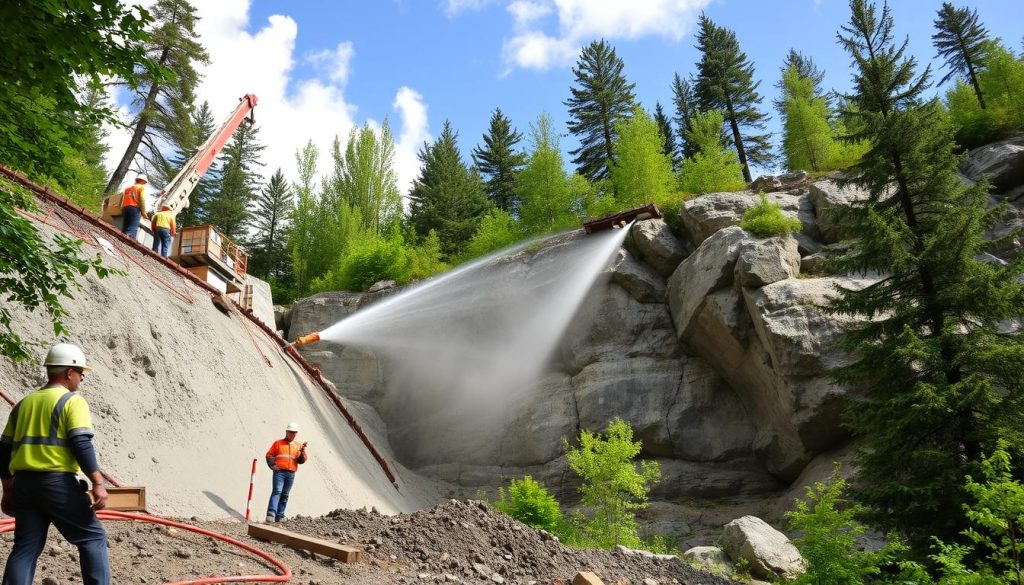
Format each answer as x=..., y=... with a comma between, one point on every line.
x=285, y=575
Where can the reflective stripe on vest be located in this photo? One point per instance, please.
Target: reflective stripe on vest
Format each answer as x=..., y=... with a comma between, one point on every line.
x=284, y=458
x=133, y=196
x=51, y=437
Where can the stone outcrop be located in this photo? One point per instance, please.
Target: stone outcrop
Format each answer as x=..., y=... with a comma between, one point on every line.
x=783, y=182
x=829, y=199
x=1002, y=163
x=768, y=260
x=767, y=551
x=656, y=245
x=706, y=214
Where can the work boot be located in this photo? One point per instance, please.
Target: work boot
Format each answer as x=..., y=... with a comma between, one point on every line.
x=270, y=519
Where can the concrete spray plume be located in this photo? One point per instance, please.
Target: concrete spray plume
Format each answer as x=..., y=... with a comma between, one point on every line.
x=462, y=351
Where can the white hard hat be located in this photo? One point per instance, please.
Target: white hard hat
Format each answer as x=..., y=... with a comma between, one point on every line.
x=142, y=177
x=293, y=426
x=66, y=354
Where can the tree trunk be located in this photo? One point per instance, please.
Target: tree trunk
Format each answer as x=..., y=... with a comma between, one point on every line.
x=140, y=131
x=738, y=140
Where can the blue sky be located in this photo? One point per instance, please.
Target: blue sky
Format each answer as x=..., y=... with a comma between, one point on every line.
x=321, y=67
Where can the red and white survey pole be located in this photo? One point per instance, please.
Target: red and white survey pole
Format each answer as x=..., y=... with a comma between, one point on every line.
x=252, y=480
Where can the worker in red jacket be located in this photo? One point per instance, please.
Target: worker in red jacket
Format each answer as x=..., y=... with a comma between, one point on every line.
x=284, y=458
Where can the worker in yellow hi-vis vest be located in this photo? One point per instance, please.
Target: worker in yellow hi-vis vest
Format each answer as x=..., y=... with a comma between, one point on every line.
x=47, y=440
x=163, y=230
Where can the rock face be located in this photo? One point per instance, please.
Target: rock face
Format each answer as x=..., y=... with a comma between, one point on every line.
x=1002, y=163
x=657, y=246
x=783, y=182
x=769, y=553
x=829, y=199
x=705, y=215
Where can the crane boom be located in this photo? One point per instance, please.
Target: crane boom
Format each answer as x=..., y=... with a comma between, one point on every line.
x=176, y=194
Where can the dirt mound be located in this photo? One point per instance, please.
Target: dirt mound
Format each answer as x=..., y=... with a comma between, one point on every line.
x=457, y=541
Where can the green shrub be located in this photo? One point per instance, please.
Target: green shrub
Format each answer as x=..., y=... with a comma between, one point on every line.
x=613, y=488
x=765, y=219
x=497, y=230
x=530, y=503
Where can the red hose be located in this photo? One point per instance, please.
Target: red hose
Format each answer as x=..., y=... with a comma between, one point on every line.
x=7, y=525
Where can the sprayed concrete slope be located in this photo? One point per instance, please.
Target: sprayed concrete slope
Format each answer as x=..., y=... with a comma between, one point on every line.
x=182, y=400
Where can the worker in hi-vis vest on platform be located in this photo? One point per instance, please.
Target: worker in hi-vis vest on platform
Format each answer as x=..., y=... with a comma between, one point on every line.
x=163, y=230
x=47, y=440
x=133, y=206
x=284, y=458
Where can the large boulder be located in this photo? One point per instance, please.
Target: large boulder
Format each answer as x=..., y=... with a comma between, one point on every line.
x=783, y=182
x=767, y=260
x=767, y=551
x=1002, y=163
x=708, y=269
x=829, y=200
x=656, y=245
x=706, y=214
x=640, y=280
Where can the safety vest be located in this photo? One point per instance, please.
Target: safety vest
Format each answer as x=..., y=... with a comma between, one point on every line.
x=286, y=455
x=40, y=427
x=135, y=196
x=164, y=219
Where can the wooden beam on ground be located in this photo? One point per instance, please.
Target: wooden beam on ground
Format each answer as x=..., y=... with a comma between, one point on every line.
x=345, y=554
x=126, y=498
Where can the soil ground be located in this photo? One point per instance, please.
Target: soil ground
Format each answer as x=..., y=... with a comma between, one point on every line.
x=457, y=541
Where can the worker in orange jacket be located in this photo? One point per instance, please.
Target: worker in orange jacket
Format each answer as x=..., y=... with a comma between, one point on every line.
x=133, y=206
x=284, y=458
x=163, y=230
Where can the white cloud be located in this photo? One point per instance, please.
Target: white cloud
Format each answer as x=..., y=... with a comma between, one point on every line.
x=453, y=7
x=290, y=110
x=579, y=21
x=413, y=113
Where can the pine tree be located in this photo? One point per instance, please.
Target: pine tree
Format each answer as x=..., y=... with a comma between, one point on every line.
x=267, y=246
x=642, y=172
x=601, y=98
x=807, y=142
x=686, y=107
x=499, y=162
x=725, y=81
x=942, y=379
x=202, y=125
x=84, y=162
x=714, y=167
x=960, y=40
x=173, y=44
x=805, y=68
x=228, y=210
x=668, y=138
x=448, y=197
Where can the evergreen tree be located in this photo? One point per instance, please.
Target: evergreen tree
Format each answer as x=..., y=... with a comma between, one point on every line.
x=499, y=162
x=942, y=379
x=173, y=44
x=448, y=197
x=807, y=142
x=84, y=163
x=544, y=188
x=601, y=98
x=725, y=81
x=960, y=40
x=228, y=210
x=805, y=68
x=686, y=107
x=642, y=172
x=668, y=138
x=714, y=167
x=202, y=125
x=267, y=247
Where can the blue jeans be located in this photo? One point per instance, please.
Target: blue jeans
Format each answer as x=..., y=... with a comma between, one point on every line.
x=132, y=217
x=279, y=497
x=42, y=498
x=162, y=241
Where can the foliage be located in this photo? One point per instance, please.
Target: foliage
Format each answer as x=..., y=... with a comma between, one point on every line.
x=159, y=101
x=497, y=230
x=447, y=197
x=500, y=163
x=807, y=141
x=51, y=50
x=714, y=167
x=942, y=383
x=642, y=171
x=364, y=177
x=370, y=258
x=228, y=210
x=545, y=189
x=612, y=485
x=268, y=256
x=195, y=128
x=725, y=81
x=960, y=40
x=35, y=273
x=668, y=137
x=307, y=263
x=685, y=103
x=765, y=219
x=805, y=69
x=600, y=98
x=424, y=259
x=530, y=503
x=1002, y=82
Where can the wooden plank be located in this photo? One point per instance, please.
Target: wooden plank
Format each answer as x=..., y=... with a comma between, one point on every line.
x=345, y=554
x=126, y=498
